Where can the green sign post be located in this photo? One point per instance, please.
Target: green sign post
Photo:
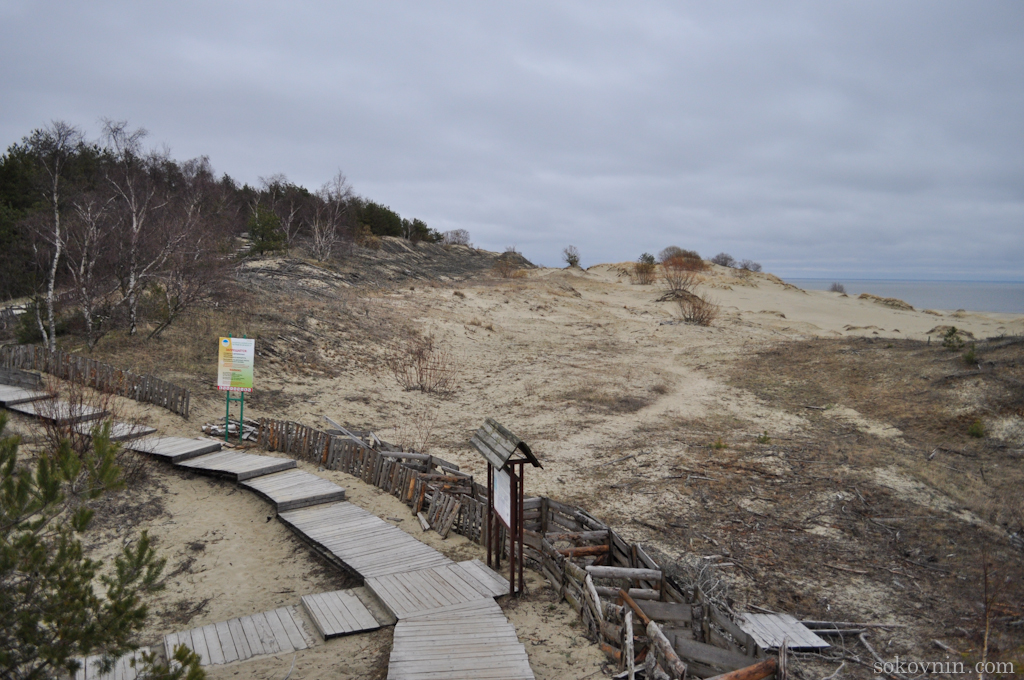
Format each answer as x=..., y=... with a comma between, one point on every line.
x=235, y=359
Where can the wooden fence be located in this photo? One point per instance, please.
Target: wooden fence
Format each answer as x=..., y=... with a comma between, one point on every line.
x=586, y=561
x=98, y=375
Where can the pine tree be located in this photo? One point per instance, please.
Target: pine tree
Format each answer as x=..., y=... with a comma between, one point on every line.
x=52, y=613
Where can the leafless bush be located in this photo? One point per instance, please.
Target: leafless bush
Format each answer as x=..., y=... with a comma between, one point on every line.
x=421, y=364
x=724, y=260
x=571, y=256
x=677, y=277
x=456, y=237
x=62, y=421
x=675, y=251
x=750, y=266
x=416, y=430
x=508, y=265
x=837, y=287
x=697, y=309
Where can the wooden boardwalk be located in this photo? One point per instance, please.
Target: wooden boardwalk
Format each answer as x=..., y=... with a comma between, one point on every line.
x=414, y=593
x=338, y=613
x=294, y=489
x=119, y=431
x=468, y=641
x=279, y=630
x=174, y=449
x=11, y=395
x=361, y=541
x=448, y=624
x=237, y=466
x=122, y=669
x=61, y=412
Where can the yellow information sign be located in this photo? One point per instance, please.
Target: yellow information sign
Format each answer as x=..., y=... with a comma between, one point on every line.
x=234, y=364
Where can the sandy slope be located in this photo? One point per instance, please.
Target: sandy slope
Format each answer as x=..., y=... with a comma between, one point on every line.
x=582, y=364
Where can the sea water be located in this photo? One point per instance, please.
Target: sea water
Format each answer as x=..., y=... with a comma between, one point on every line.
x=974, y=296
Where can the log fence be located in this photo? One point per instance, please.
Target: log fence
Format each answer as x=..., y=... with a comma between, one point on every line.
x=98, y=375
x=602, y=576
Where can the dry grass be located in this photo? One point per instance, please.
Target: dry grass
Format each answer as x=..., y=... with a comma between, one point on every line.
x=598, y=399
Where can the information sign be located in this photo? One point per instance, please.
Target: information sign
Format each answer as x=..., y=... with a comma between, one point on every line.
x=503, y=496
x=234, y=364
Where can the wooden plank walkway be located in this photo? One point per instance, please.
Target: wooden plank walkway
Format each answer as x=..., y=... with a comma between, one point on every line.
x=338, y=613
x=237, y=466
x=294, y=489
x=769, y=630
x=279, y=630
x=174, y=449
x=122, y=669
x=413, y=593
x=468, y=641
x=361, y=541
x=11, y=395
x=119, y=431
x=59, y=411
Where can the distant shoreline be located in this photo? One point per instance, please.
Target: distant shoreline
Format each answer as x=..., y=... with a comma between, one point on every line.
x=1000, y=297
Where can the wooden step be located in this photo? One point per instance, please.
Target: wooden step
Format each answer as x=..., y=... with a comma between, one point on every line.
x=11, y=395
x=339, y=612
x=237, y=466
x=294, y=489
x=174, y=449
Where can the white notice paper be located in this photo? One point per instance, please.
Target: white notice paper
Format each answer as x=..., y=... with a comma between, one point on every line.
x=502, y=486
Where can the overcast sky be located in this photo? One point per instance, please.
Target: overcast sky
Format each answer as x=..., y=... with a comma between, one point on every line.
x=835, y=139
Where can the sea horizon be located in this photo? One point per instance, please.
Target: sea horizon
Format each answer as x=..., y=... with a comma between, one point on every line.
x=1001, y=297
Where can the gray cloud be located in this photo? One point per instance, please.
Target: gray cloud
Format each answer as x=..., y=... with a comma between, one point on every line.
x=847, y=138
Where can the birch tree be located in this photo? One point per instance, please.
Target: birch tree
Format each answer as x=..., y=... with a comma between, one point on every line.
x=144, y=245
x=328, y=221
x=89, y=244
x=53, y=147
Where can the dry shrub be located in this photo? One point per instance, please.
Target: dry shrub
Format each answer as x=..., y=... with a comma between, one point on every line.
x=697, y=309
x=677, y=279
x=643, y=274
x=506, y=267
x=421, y=364
x=689, y=261
x=415, y=431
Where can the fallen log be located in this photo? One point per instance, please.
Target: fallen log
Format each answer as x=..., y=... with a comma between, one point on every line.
x=634, y=606
x=666, y=653
x=584, y=550
x=758, y=671
x=623, y=572
x=635, y=593
x=578, y=536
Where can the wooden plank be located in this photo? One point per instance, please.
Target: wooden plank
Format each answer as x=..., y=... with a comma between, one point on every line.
x=199, y=645
x=768, y=631
x=292, y=627
x=213, y=644
x=266, y=633
x=238, y=637
x=280, y=634
x=252, y=636
x=227, y=643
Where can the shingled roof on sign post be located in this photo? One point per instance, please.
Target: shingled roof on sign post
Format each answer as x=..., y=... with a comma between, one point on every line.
x=497, y=444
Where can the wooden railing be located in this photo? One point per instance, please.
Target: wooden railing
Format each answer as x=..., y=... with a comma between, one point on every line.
x=98, y=375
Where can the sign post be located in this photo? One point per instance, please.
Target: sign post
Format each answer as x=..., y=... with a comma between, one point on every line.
x=505, y=495
x=235, y=359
